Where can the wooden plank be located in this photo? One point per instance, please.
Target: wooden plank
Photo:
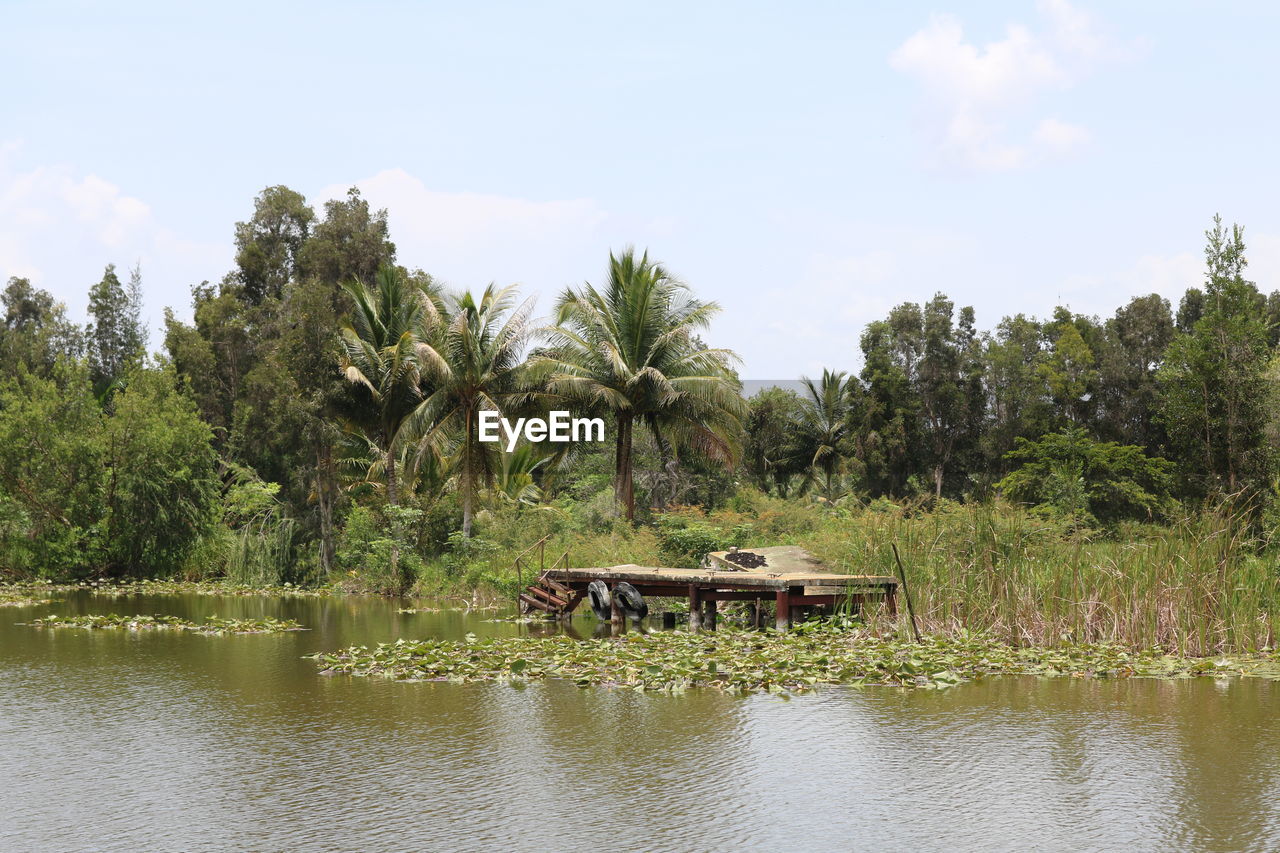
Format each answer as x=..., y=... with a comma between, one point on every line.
x=859, y=589
x=556, y=586
x=733, y=595
x=535, y=603
x=546, y=596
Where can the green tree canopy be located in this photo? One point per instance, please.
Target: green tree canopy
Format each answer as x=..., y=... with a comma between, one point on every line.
x=630, y=349
x=1096, y=480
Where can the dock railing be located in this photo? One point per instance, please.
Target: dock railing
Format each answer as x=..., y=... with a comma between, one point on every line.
x=524, y=562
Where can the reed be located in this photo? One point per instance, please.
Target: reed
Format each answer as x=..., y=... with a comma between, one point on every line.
x=1201, y=586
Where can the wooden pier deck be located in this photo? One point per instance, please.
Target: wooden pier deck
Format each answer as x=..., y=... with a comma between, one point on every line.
x=791, y=576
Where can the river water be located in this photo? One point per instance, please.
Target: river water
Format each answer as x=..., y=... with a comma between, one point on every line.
x=113, y=740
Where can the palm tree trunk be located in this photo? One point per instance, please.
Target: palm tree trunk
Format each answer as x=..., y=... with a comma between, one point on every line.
x=665, y=486
x=392, y=499
x=468, y=487
x=622, y=485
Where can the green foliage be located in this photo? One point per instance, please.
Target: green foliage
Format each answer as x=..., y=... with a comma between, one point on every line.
x=822, y=431
x=52, y=457
x=268, y=245
x=161, y=484
x=127, y=493
x=35, y=334
x=773, y=456
x=473, y=361
x=1090, y=480
x=116, y=336
x=1214, y=391
x=212, y=625
x=685, y=541
x=630, y=350
x=370, y=553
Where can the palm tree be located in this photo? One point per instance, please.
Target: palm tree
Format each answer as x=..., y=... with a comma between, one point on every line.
x=824, y=426
x=630, y=349
x=383, y=346
x=476, y=363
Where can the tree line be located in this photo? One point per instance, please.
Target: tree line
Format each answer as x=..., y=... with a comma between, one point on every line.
x=1181, y=401
x=323, y=392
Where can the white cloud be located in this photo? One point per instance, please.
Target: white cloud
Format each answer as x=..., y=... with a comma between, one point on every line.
x=977, y=91
x=60, y=227
x=1059, y=137
x=470, y=239
x=38, y=201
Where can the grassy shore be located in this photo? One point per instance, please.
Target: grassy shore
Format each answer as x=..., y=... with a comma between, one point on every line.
x=1206, y=585
x=1203, y=586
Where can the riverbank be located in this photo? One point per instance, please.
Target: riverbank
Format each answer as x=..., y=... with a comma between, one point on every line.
x=1204, y=586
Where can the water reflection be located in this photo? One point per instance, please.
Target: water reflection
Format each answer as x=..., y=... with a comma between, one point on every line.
x=119, y=741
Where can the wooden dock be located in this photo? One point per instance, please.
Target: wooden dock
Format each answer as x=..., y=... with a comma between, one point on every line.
x=791, y=576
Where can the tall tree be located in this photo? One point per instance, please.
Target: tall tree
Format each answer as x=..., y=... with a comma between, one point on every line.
x=116, y=337
x=269, y=243
x=351, y=242
x=888, y=433
x=474, y=364
x=630, y=349
x=1135, y=342
x=773, y=454
x=382, y=355
x=34, y=331
x=1213, y=380
x=944, y=369
x=1068, y=368
x=1019, y=402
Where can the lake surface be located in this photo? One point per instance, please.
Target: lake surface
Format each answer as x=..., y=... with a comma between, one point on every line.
x=114, y=740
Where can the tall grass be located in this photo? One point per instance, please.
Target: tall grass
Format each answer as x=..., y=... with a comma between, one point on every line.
x=261, y=553
x=1201, y=586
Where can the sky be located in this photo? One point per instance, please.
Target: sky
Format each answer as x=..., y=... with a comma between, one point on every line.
x=807, y=166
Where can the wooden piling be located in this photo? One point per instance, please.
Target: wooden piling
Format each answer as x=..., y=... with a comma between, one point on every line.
x=615, y=611
x=710, y=620
x=695, y=607
x=782, y=620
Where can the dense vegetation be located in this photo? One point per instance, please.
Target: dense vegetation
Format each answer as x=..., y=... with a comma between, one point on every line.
x=316, y=421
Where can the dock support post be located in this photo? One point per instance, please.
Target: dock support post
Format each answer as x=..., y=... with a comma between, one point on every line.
x=695, y=608
x=710, y=619
x=782, y=620
x=615, y=612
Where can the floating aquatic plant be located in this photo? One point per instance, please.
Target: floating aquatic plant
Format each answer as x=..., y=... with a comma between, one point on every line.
x=20, y=598
x=212, y=625
x=162, y=587
x=750, y=662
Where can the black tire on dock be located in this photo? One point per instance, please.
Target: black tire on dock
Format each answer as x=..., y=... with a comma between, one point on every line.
x=601, y=603
x=630, y=600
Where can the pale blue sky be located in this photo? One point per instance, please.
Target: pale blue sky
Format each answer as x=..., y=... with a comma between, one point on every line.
x=808, y=165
